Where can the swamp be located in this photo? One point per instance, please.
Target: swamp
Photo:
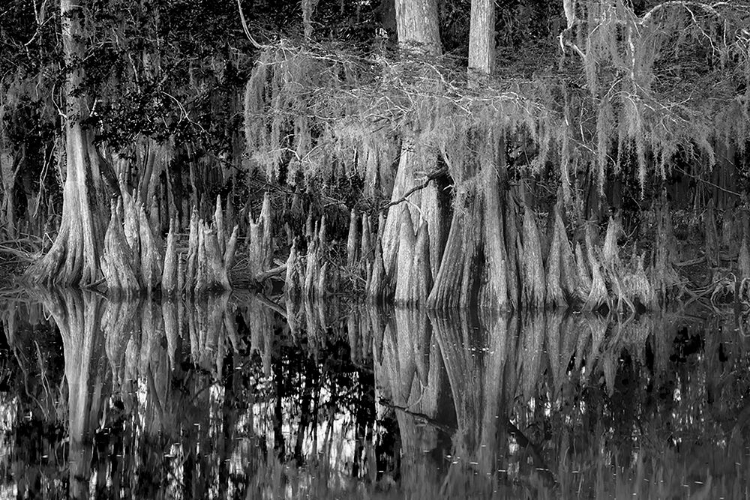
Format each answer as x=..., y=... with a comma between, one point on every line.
x=374, y=249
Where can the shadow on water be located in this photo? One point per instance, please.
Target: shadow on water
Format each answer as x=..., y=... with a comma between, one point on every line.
x=234, y=396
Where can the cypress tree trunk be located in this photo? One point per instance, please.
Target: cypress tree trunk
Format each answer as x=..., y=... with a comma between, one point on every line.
x=744, y=259
x=454, y=284
x=569, y=273
x=152, y=259
x=511, y=245
x=584, y=278
x=420, y=278
x=482, y=36
x=117, y=262
x=376, y=285
x=417, y=23
x=169, y=275
x=417, y=26
x=555, y=296
x=405, y=258
x=192, y=257
x=351, y=241
x=292, y=282
x=74, y=257
x=495, y=293
x=533, y=267
x=9, y=166
x=598, y=294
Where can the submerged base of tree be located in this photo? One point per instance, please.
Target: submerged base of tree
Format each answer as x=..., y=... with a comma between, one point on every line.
x=542, y=263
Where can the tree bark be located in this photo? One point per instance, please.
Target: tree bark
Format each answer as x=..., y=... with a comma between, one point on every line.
x=555, y=296
x=169, y=273
x=404, y=259
x=495, y=293
x=420, y=278
x=511, y=245
x=74, y=257
x=533, y=285
x=482, y=37
x=455, y=282
x=417, y=27
x=351, y=241
x=10, y=164
x=117, y=261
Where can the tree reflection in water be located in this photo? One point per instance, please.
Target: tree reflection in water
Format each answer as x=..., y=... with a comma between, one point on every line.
x=234, y=396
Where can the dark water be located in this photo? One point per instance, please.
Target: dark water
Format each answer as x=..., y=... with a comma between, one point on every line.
x=237, y=397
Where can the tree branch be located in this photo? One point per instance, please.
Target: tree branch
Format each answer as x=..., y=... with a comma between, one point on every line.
x=430, y=177
x=245, y=28
x=710, y=8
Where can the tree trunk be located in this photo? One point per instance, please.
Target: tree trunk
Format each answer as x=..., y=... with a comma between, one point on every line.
x=405, y=258
x=454, y=283
x=555, y=296
x=420, y=278
x=495, y=293
x=351, y=241
x=74, y=257
x=482, y=36
x=9, y=166
x=417, y=26
x=511, y=245
x=598, y=294
x=533, y=285
x=457, y=280
x=169, y=273
x=117, y=261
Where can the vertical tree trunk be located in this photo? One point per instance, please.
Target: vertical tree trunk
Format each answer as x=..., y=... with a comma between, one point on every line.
x=454, y=283
x=460, y=266
x=495, y=292
x=405, y=258
x=417, y=27
x=482, y=37
x=511, y=245
x=9, y=166
x=74, y=257
x=533, y=284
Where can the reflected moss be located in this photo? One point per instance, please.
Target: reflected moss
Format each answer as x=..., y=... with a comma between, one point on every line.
x=226, y=397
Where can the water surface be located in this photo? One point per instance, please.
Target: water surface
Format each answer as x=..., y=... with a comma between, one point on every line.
x=242, y=396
